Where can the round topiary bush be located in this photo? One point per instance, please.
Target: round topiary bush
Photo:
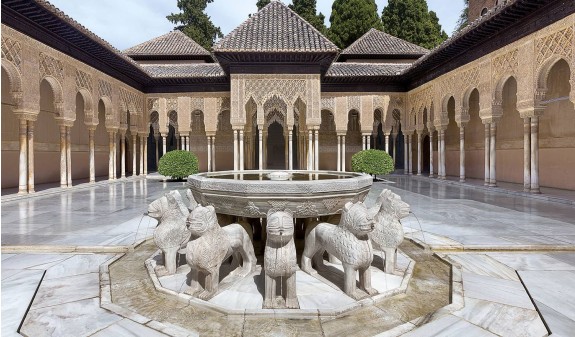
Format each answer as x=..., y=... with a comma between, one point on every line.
x=372, y=162
x=178, y=164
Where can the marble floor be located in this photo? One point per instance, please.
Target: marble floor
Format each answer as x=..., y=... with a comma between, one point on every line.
x=517, y=255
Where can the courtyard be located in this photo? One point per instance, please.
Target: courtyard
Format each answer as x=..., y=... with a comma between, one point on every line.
x=516, y=254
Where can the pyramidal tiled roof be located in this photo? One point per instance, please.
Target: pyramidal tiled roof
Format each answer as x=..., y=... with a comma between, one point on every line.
x=275, y=28
x=376, y=42
x=172, y=44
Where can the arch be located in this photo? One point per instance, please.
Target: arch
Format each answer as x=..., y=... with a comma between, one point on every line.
x=498, y=94
x=107, y=107
x=545, y=70
x=14, y=76
x=88, y=104
x=56, y=91
x=466, y=96
x=445, y=102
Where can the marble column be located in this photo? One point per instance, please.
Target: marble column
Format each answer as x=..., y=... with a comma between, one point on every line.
x=92, y=154
x=209, y=154
x=419, y=156
x=338, y=153
x=316, y=149
x=164, y=145
x=213, y=153
x=343, y=163
x=387, y=143
x=363, y=142
x=115, y=154
x=527, y=154
x=405, y=154
x=487, y=153
x=290, y=149
x=145, y=155
x=30, y=156
x=236, y=154
x=535, y=155
x=23, y=157
x=135, y=154
x=123, y=154
x=431, y=154
x=111, y=172
x=188, y=139
x=69, y=155
x=142, y=154
x=442, y=161
x=393, y=140
x=310, y=165
x=178, y=142
x=492, y=155
x=462, y=153
x=157, y=140
x=242, y=145
x=63, y=171
x=261, y=149
x=410, y=158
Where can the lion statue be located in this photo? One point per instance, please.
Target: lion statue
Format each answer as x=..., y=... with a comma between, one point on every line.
x=280, y=260
x=389, y=209
x=171, y=234
x=349, y=242
x=213, y=245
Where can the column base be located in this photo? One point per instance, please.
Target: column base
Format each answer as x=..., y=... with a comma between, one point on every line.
x=431, y=175
x=92, y=181
x=418, y=173
x=30, y=191
x=461, y=179
x=535, y=191
x=22, y=192
x=527, y=189
x=492, y=184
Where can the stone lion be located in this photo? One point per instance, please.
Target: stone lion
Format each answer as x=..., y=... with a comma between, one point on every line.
x=171, y=234
x=280, y=260
x=213, y=245
x=349, y=242
x=389, y=209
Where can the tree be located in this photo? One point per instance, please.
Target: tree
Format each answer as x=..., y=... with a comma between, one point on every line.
x=463, y=17
x=350, y=19
x=178, y=164
x=195, y=23
x=372, y=162
x=307, y=10
x=412, y=21
x=262, y=3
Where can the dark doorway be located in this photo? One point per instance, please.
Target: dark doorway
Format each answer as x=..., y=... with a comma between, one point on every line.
x=425, y=155
x=399, y=151
x=275, y=147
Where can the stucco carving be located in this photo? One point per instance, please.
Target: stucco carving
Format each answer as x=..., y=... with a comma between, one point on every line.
x=328, y=103
x=558, y=43
x=12, y=51
x=104, y=89
x=280, y=261
x=50, y=66
x=83, y=80
x=349, y=242
x=213, y=245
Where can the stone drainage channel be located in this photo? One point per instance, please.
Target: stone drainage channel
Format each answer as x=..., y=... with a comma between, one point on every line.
x=432, y=287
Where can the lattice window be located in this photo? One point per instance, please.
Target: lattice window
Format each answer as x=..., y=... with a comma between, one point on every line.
x=353, y=103
x=12, y=51
x=83, y=80
x=328, y=103
x=104, y=88
x=172, y=104
x=197, y=103
x=50, y=66
x=559, y=43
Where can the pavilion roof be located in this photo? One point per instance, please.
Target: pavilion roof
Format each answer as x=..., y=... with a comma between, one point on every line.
x=194, y=70
x=174, y=43
x=275, y=28
x=377, y=43
x=351, y=69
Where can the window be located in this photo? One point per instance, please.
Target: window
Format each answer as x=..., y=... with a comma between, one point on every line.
x=483, y=11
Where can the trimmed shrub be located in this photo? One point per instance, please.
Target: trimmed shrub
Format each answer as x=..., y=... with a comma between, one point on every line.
x=178, y=164
x=372, y=162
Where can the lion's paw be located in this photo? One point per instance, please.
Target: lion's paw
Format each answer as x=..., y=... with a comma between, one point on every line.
x=192, y=291
x=371, y=291
x=292, y=303
x=205, y=295
x=161, y=271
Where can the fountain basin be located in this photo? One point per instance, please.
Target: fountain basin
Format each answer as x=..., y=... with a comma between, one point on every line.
x=252, y=193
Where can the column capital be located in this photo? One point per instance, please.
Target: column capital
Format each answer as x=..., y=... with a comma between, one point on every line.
x=490, y=120
x=28, y=115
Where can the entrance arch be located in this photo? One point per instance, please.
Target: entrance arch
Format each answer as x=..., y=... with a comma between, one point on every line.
x=275, y=147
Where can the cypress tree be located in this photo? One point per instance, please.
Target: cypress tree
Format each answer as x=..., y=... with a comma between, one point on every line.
x=412, y=21
x=350, y=19
x=195, y=23
x=463, y=17
x=307, y=9
x=262, y=3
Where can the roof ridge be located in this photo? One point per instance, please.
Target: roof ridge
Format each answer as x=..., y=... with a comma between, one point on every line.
x=125, y=51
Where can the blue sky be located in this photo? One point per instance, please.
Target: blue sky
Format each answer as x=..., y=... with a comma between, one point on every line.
x=125, y=23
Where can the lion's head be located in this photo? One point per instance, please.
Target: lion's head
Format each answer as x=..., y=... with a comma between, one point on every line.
x=202, y=220
x=357, y=219
x=280, y=226
x=171, y=201
x=391, y=204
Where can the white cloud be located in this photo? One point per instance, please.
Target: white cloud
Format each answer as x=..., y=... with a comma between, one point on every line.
x=125, y=23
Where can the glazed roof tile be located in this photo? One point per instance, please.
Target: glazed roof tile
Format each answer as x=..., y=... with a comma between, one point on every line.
x=350, y=69
x=376, y=42
x=275, y=28
x=172, y=43
x=195, y=70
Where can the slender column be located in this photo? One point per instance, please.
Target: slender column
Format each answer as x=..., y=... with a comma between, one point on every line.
x=69, y=155
x=405, y=154
x=265, y=154
x=209, y=154
x=343, y=166
x=187, y=143
x=145, y=155
x=30, y=156
x=394, y=139
x=157, y=139
x=214, y=153
x=316, y=149
x=236, y=150
x=242, y=150
x=310, y=151
x=419, y=153
x=123, y=154
x=115, y=154
x=261, y=148
x=535, y=155
x=487, y=154
x=363, y=142
x=443, y=173
x=338, y=153
x=63, y=171
x=290, y=149
x=164, y=144
x=111, y=157
x=387, y=143
x=142, y=154
x=178, y=142
x=493, y=155
x=431, y=154
x=527, y=154
x=410, y=159
x=92, y=154
x=23, y=159
x=135, y=154
x=462, y=153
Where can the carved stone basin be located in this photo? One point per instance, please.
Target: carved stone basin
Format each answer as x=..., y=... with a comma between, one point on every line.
x=252, y=193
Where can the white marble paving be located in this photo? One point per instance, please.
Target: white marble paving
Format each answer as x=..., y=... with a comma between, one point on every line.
x=17, y=292
x=33, y=261
x=484, y=265
x=559, y=324
x=555, y=289
x=523, y=261
x=128, y=328
x=449, y=325
x=77, y=264
x=496, y=290
x=67, y=289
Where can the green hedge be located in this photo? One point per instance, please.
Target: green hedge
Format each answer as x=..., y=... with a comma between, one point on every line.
x=178, y=164
x=372, y=162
